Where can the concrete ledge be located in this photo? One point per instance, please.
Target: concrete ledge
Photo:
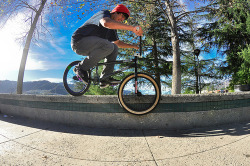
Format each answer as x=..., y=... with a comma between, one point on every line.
x=173, y=111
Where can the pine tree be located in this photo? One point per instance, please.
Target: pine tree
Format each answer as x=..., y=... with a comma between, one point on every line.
x=227, y=29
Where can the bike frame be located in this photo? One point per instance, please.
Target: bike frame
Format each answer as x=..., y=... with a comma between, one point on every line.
x=97, y=77
x=132, y=63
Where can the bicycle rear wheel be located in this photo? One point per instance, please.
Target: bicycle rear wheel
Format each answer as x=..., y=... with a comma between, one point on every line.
x=141, y=96
x=72, y=82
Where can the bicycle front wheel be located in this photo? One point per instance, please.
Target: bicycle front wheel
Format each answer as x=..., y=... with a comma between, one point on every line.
x=72, y=82
x=141, y=96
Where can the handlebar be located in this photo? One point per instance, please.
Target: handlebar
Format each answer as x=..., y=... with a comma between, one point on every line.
x=140, y=49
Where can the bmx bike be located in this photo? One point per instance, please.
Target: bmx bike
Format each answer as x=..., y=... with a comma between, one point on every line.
x=138, y=93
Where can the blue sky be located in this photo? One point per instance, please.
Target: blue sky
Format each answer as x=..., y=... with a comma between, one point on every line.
x=47, y=60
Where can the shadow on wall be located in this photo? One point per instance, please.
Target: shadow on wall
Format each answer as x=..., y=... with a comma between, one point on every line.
x=234, y=129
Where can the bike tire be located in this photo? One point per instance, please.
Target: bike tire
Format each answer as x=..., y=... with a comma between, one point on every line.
x=144, y=101
x=72, y=83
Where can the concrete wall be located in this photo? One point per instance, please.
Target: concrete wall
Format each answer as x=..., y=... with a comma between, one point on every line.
x=173, y=111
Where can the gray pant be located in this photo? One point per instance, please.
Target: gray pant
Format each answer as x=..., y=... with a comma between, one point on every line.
x=96, y=49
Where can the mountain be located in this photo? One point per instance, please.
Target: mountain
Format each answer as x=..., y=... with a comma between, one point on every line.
x=34, y=87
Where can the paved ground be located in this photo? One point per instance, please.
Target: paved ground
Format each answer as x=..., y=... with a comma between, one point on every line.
x=28, y=142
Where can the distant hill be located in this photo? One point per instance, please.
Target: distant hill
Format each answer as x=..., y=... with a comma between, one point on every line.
x=34, y=87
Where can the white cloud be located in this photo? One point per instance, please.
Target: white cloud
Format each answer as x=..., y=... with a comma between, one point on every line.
x=33, y=64
x=11, y=51
x=55, y=45
x=55, y=80
x=49, y=56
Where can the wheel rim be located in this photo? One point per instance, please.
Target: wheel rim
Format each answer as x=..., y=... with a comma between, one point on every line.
x=142, y=102
x=72, y=82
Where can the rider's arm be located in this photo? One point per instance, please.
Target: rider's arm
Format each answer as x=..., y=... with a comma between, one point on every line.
x=112, y=24
x=121, y=44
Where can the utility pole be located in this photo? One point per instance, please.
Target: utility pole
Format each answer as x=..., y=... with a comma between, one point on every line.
x=197, y=83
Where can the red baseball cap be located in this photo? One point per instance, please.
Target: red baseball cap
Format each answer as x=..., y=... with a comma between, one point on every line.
x=122, y=9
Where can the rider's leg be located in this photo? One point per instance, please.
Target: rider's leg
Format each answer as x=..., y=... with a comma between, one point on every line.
x=111, y=57
x=107, y=69
x=95, y=48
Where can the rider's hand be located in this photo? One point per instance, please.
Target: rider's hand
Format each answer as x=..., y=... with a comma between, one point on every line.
x=138, y=30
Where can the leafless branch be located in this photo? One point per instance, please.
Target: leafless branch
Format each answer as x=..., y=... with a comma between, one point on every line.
x=29, y=6
x=162, y=8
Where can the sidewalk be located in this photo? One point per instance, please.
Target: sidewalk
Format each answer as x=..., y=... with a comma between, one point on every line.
x=27, y=142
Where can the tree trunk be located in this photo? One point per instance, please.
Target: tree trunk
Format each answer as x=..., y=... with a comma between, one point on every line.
x=26, y=48
x=176, y=75
x=156, y=63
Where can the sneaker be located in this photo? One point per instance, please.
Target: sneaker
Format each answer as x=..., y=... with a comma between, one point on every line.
x=82, y=74
x=107, y=82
